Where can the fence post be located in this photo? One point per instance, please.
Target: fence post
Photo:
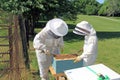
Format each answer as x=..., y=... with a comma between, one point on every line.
x=24, y=40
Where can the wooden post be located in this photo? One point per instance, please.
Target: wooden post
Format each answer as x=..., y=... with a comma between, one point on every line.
x=24, y=40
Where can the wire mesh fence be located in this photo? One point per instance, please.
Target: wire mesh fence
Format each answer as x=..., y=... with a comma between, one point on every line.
x=12, y=66
x=4, y=49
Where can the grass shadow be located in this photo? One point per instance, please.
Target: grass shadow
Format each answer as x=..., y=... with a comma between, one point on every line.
x=71, y=37
x=107, y=35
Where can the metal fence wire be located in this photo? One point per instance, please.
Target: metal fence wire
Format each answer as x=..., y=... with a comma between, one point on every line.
x=11, y=52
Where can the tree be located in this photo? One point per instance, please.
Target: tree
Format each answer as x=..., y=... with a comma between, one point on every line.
x=110, y=8
x=33, y=10
x=92, y=8
x=102, y=10
x=30, y=11
x=89, y=7
x=113, y=7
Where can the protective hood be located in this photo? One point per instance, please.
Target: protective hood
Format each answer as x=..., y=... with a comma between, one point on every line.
x=57, y=26
x=84, y=28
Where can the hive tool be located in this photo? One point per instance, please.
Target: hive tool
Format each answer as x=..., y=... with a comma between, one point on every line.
x=100, y=76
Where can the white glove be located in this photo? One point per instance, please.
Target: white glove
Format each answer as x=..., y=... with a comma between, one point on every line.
x=47, y=52
x=77, y=59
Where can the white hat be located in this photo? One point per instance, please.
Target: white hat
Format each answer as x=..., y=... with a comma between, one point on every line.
x=58, y=27
x=82, y=28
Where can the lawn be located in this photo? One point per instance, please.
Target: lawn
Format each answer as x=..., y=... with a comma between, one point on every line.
x=108, y=32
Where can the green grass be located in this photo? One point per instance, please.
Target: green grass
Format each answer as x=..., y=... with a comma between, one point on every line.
x=100, y=23
x=109, y=52
x=108, y=32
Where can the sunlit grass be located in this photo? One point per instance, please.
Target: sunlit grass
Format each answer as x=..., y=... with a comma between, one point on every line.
x=108, y=33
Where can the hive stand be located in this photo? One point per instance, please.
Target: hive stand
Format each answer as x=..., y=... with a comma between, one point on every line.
x=57, y=75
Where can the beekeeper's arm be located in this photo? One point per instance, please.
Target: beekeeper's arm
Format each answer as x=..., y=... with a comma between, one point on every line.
x=38, y=43
x=88, y=51
x=61, y=45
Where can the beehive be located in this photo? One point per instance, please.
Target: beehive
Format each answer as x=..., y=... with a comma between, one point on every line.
x=64, y=62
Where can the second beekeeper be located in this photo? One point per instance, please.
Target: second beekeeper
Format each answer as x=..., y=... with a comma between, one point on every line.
x=89, y=53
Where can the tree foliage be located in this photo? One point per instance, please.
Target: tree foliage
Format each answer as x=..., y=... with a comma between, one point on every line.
x=89, y=7
x=113, y=7
x=110, y=8
x=41, y=8
x=34, y=10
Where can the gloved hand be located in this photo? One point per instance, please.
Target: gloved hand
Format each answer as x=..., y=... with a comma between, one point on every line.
x=77, y=59
x=47, y=52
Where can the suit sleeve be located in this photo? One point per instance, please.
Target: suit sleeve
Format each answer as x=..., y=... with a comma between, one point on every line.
x=61, y=43
x=38, y=42
x=90, y=48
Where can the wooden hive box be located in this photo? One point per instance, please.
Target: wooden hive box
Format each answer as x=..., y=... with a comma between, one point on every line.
x=62, y=62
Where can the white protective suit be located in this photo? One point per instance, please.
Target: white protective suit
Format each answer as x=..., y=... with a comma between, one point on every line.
x=90, y=42
x=43, y=41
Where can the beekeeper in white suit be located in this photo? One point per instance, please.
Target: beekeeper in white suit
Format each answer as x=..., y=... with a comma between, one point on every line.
x=48, y=42
x=89, y=53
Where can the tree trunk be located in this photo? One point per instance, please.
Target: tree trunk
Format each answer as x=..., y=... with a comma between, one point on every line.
x=31, y=26
x=24, y=40
x=27, y=27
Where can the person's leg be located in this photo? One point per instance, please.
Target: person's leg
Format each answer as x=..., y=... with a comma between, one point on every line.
x=43, y=71
x=44, y=62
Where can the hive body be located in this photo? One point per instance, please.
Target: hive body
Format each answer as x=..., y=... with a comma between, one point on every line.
x=64, y=62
